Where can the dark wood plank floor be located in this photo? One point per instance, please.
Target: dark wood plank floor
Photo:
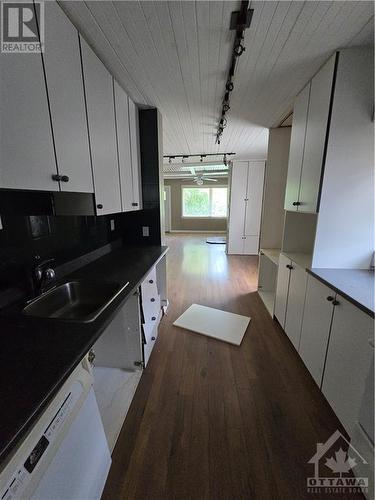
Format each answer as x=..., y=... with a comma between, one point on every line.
x=215, y=421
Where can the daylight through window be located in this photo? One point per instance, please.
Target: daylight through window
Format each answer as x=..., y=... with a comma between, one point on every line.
x=204, y=201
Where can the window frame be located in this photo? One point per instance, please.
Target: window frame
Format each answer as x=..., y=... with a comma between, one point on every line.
x=208, y=217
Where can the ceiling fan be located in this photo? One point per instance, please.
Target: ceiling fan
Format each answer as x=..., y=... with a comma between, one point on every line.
x=199, y=179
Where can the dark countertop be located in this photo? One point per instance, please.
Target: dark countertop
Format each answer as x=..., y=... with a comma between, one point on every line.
x=356, y=285
x=37, y=355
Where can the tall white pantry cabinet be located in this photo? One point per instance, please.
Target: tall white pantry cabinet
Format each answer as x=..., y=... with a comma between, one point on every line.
x=245, y=207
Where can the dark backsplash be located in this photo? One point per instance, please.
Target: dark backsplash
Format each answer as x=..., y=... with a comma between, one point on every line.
x=63, y=238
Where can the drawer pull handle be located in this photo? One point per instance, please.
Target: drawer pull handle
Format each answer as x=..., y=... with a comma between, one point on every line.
x=152, y=338
x=296, y=203
x=153, y=318
x=99, y=205
x=134, y=204
x=151, y=281
x=330, y=298
x=289, y=266
x=152, y=300
x=335, y=302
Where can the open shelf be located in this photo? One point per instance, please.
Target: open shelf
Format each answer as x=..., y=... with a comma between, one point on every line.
x=272, y=253
x=114, y=389
x=303, y=260
x=268, y=298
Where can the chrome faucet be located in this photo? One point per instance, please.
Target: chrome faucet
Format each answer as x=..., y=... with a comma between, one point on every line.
x=42, y=274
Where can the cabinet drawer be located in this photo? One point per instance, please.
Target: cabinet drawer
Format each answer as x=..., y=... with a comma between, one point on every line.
x=151, y=335
x=149, y=286
x=151, y=308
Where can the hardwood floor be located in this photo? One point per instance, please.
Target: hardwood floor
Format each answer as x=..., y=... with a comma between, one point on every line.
x=214, y=421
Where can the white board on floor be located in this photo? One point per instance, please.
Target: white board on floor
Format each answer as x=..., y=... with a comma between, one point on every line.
x=215, y=323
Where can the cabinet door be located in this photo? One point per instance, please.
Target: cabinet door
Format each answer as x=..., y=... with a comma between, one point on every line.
x=316, y=325
x=316, y=132
x=282, y=289
x=348, y=361
x=254, y=196
x=296, y=302
x=66, y=98
x=102, y=130
x=123, y=146
x=297, y=142
x=27, y=153
x=237, y=208
x=135, y=155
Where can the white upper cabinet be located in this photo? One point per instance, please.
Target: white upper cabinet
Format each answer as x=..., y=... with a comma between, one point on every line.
x=316, y=325
x=308, y=141
x=297, y=143
x=102, y=130
x=349, y=358
x=135, y=155
x=123, y=146
x=27, y=153
x=316, y=133
x=66, y=97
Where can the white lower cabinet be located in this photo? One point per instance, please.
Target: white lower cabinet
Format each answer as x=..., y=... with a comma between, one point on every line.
x=282, y=289
x=296, y=302
x=348, y=362
x=151, y=308
x=316, y=326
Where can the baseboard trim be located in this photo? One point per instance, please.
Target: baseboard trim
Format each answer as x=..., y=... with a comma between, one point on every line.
x=187, y=231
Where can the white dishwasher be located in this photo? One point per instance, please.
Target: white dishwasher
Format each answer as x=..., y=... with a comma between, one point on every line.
x=66, y=455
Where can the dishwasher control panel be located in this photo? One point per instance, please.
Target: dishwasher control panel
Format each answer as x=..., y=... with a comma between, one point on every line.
x=23, y=473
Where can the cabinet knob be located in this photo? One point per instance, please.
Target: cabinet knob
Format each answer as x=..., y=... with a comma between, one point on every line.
x=56, y=177
x=151, y=281
x=152, y=300
x=289, y=266
x=152, y=338
x=153, y=318
x=99, y=205
x=64, y=178
x=335, y=302
x=330, y=298
x=134, y=204
x=296, y=203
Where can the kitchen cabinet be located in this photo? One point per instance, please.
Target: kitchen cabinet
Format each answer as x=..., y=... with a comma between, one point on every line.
x=349, y=358
x=135, y=155
x=308, y=141
x=316, y=326
x=27, y=153
x=246, y=193
x=295, y=304
x=66, y=101
x=123, y=146
x=282, y=288
x=102, y=132
x=316, y=132
x=297, y=143
x=151, y=308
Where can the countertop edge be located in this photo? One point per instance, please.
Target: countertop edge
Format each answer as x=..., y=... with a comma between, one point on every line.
x=351, y=299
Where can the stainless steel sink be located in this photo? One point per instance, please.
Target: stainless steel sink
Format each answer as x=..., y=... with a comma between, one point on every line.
x=76, y=300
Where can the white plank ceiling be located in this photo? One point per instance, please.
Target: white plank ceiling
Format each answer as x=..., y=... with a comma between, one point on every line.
x=175, y=55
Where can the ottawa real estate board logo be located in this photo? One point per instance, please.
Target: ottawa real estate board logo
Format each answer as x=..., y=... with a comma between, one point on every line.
x=335, y=463
x=22, y=27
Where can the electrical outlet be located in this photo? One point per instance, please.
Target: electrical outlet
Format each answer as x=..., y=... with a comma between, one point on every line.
x=145, y=231
x=112, y=224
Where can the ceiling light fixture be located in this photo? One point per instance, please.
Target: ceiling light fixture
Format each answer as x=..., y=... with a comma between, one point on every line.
x=200, y=155
x=239, y=21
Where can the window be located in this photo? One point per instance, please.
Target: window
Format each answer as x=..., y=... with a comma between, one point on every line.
x=204, y=201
